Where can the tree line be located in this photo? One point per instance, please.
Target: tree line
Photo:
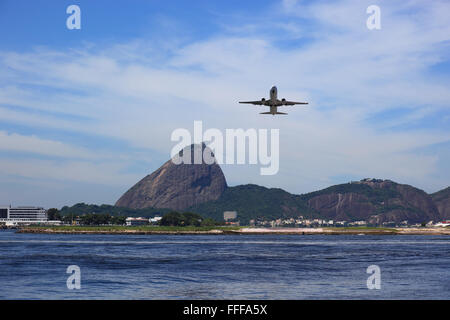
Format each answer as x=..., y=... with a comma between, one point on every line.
x=179, y=219
x=87, y=218
x=172, y=218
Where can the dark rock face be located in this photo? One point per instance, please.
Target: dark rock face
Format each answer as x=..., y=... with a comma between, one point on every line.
x=441, y=200
x=375, y=201
x=178, y=186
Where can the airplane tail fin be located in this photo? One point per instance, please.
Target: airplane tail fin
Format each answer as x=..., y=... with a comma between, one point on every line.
x=272, y=113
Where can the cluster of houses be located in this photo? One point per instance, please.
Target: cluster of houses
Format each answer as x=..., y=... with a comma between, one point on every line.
x=311, y=223
x=302, y=222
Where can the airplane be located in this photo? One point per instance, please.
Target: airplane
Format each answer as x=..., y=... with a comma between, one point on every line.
x=273, y=102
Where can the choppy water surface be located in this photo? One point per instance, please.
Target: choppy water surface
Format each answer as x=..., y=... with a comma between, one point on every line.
x=33, y=266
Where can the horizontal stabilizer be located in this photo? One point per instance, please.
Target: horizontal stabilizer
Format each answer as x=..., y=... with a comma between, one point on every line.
x=272, y=113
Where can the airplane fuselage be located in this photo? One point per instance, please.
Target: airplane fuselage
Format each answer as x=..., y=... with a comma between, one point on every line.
x=273, y=102
x=273, y=94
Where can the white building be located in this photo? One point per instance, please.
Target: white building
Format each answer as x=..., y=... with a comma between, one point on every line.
x=155, y=219
x=22, y=215
x=130, y=221
x=229, y=215
x=442, y=224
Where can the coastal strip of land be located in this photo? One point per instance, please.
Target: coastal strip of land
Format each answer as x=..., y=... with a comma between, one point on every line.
x=144, y=230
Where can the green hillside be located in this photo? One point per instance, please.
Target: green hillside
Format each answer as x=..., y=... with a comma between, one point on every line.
x=374, y=195
x=380, y=200
x=252, y=202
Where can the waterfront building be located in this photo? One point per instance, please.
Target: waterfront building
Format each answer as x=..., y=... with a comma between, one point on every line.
x=22, y=215
x=155, y=220
x=130, y=221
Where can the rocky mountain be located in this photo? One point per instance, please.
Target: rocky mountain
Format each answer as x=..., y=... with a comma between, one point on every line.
x=373, y=200
x=202, y=188
x=178, y=186
x=441, y=200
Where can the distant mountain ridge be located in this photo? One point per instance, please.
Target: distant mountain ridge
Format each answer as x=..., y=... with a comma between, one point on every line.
x=202, y=188
x=373, y=200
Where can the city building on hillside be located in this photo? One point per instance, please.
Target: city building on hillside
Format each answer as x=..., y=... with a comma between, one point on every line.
x=229, y=215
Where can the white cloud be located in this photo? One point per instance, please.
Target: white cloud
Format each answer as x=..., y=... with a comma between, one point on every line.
x=33, y=144
x=104, y=173
x=347, y=72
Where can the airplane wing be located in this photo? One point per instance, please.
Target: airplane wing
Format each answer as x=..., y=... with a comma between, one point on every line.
x=258, y=102
x=291, y=103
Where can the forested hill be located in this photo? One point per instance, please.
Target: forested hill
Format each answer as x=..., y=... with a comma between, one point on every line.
x=373, y=200
x=253, y=201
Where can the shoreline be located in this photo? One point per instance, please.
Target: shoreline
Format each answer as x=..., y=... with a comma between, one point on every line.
x=250, y=231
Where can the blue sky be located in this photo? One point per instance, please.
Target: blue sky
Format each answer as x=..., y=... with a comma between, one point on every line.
x=84, y=114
